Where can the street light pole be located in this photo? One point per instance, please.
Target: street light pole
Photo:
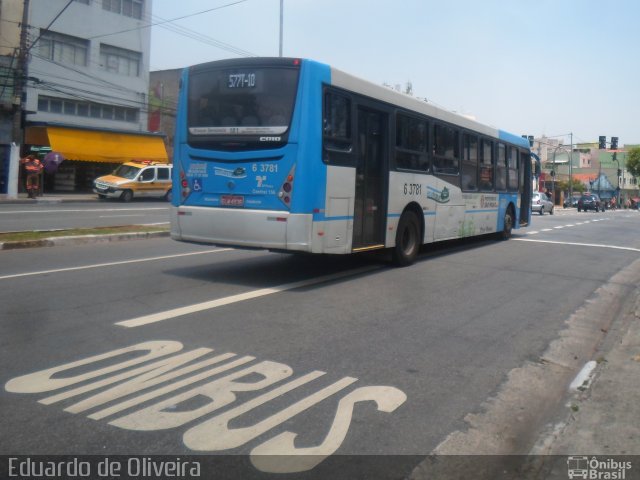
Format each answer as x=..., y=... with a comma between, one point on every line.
x=553, y=175
x=281, y=27
x=571, y=171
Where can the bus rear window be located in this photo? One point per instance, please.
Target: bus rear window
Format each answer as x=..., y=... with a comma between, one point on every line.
x=240, y=102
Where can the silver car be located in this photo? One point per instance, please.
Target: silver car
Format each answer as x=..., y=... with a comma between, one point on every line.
x=540, y=203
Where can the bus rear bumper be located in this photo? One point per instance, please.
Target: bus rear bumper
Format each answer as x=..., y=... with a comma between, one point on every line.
x=268, y=229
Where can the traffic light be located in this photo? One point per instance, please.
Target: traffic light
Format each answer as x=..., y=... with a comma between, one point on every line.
x=614, y=143
x=530, y=137
x=602, y=143
x=619, y=172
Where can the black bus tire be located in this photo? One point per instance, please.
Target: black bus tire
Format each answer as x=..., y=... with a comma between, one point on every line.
x=507, y=228
x=407, y=240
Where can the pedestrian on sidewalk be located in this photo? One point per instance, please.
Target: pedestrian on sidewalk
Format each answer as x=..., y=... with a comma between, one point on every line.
x=33, y=168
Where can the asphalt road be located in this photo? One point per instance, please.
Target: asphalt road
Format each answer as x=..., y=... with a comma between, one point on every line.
x=52, y=216
x=348, y=354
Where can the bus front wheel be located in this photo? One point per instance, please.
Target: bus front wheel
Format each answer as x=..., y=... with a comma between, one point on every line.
x=407, y=240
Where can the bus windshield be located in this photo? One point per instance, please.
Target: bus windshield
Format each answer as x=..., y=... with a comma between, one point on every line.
x=240, y=102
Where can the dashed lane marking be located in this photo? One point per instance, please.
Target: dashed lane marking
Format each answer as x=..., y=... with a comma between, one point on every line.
x=110, y=264
x=559, y=227
x=596, y=245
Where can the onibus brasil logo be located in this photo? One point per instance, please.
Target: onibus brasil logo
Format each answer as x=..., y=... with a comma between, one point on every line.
x=593, y=468
x=440, y=196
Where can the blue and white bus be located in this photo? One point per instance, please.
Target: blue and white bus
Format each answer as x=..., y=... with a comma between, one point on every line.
x=294, y=155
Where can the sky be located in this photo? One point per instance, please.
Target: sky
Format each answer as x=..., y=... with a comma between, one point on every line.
x=530, y=67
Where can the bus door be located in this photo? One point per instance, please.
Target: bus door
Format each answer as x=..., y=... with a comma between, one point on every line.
x=525, y=187
x=369, y=206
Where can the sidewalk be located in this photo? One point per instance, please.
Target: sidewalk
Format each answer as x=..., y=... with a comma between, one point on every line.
x=604, y=418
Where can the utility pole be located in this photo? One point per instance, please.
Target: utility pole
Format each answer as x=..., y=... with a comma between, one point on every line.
x=571, y=171
x=19, y=79
x=17, y=133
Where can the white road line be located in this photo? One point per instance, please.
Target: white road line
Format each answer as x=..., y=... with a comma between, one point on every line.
x=558, y=227
x=583, y=376
x=110, y=264
x=199, y=307
x=547, y=230
x=532, y=233
x=596, y=245
x=15, y=212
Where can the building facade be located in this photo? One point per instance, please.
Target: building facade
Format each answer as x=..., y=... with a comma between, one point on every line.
x=599, y=171
x=86, y=86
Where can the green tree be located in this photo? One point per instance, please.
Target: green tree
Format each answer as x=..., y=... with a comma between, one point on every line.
x=578, y=186
x=633, y=162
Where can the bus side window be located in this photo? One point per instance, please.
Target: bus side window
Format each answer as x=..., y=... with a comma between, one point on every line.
x=469, y=162
x=446, y=150
x=411, y=143
x=512, y=169
x=336, y=128
x=501, y=167
x=486, y=165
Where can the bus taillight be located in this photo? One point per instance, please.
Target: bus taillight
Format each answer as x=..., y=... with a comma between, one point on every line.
x=286, y=189
x=184, y=183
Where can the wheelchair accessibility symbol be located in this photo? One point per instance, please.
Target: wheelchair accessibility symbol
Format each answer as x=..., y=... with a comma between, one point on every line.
x=197, y=186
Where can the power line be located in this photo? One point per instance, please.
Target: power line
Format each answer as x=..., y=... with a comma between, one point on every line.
x=48, y=26
x=163, y=22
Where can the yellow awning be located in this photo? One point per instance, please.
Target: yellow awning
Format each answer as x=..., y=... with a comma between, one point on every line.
x=98, y=146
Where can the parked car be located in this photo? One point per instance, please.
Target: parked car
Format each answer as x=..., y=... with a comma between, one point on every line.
x=572, y=202
x=136, y=179
x=590, y=201
x=541, y=202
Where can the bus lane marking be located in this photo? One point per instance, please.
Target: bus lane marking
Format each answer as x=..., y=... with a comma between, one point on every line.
x=111, y=264
x=596, y=245
x=240, y=297
x=161, y=370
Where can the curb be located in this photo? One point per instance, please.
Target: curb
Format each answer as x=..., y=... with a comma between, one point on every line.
x=81, y=239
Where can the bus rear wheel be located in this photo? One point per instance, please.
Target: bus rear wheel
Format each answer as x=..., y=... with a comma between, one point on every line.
x=508, y=224
x=407, y=240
